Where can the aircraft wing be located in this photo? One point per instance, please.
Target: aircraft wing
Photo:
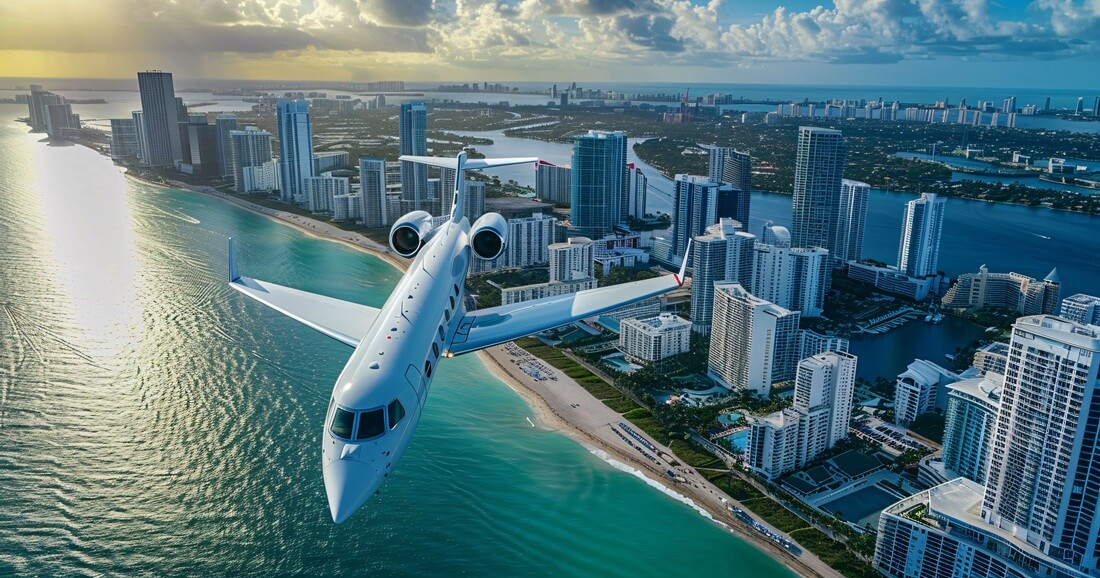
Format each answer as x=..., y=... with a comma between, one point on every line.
x=343, y=321
x=495, y=325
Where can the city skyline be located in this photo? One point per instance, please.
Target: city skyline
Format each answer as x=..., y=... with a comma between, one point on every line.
x=940, y=42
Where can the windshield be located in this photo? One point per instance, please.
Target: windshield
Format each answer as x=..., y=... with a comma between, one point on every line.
x=341, y=423
x=372, y=423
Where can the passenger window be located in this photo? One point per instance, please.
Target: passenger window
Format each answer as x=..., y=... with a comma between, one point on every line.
x=341, y=423
x=435, y=349
x=397, y=412
x=372, y=423
x=428, y=368
x=456, y=290
x=452, y=302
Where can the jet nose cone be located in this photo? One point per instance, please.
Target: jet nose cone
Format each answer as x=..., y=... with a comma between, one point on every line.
x=348, y=484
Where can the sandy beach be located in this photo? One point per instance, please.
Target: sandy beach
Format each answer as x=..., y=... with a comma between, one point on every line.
x=563, y=405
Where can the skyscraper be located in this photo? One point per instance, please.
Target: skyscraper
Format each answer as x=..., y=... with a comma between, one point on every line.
x=158, y=105
x=250, y=147
x=637, y=189
x=695, y=205
x=142, y=141
x=571, y=260
x=295, y=149
x=475, y=200
x=552, y=183
x=734, y=168
x=972, y=406
x=124, y=140
x=224, y=123
x=413, y=140
x=815, y=204
x=599, y=182
x=1080, y=106
x=753, y=342
x=37, y=104
x=723, y=253
x=824, y=387
x=1044, y=480
x=921, y=228
x=372, y=182
x=853, y=220
x=795, y=278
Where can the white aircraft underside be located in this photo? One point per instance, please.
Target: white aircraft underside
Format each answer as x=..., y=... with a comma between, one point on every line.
x=377, y=400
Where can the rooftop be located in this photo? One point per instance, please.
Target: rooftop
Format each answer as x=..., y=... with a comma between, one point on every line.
x=855, y=464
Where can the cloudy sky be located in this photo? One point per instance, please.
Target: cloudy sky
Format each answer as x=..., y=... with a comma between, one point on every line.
x=1055, y=43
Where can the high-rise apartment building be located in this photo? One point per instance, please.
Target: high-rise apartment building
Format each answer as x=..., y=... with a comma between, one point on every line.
x=815, y=205
x=599, y=182
x=921, y=229
x=732, y=167
x=972, y=406
x=124, y=141
x=694, y=209
x=724, y=253
x=36, y=106
x=654, y=338
x=295, y=149
x=372, y=187
x=250, y=147
x=853, y=220
x=824, y=387
x=1044, y=483
x=920, y=389
x=1037, y=513
x=794, y=278
x=413, y=140
x=319, y=192
x=1082, y=309
x=475, y=200
x=142, y=141
x=753, y=342
x=224, y=124
x=161, y=117
x=637, y=187
x=571, y=260
x=552, y=183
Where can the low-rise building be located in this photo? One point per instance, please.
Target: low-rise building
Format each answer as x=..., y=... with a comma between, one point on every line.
x=891, y=280
x=920, y=389
x=992, y=358
x=522, y=293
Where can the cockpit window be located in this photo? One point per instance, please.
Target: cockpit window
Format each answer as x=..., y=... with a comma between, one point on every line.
x=397, y=411
x=372, y=423
x=341, y=423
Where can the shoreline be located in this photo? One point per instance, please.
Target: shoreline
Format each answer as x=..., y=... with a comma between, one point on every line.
x=562, y=406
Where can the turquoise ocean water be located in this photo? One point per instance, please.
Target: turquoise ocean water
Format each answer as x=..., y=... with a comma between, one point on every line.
x=152, y=422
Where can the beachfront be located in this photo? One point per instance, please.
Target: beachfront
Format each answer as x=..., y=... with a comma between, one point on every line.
x=562, y=404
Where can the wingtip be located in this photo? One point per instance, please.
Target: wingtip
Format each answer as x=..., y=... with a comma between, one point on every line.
x=233, y=274
x=683, y=266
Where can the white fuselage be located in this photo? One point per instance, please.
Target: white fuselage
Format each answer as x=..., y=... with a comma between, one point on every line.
x=385, y=383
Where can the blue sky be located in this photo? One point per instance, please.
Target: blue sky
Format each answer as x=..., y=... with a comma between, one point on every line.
x=904, y=42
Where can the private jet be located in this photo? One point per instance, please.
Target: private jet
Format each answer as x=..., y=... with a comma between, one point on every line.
x=378, y=398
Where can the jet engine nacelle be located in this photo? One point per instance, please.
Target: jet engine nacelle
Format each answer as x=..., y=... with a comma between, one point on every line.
x=488, y=236
x=410, y=233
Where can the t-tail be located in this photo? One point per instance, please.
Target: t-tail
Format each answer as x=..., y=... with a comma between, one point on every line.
x=460, y=164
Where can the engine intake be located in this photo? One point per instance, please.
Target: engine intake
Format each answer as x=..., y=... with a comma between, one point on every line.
x=410, y=233
x=489, y=236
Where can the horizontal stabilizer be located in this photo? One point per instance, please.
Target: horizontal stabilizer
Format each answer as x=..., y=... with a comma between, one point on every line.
x=343, y=321
x=452, y=163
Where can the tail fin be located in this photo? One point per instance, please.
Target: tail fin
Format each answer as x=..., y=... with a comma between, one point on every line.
x=460, y=164
x=233, y=274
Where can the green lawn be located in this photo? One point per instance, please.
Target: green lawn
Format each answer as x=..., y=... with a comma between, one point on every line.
x=775, y=514
x=834, y=554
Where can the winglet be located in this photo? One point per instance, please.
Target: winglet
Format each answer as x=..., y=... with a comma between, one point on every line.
x=233, y=274
x=683, y=266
